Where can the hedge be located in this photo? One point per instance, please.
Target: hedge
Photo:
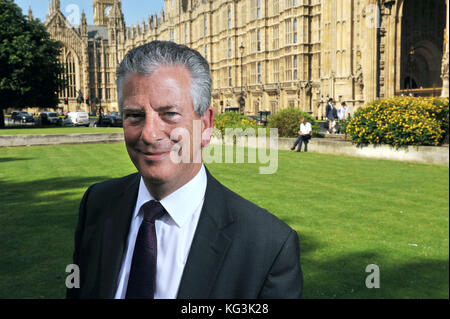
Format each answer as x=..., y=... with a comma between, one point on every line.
x=401, y=121
x=234, y=120
x=288, y=122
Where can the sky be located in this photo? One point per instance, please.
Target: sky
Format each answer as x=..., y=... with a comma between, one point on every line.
x=134, y=10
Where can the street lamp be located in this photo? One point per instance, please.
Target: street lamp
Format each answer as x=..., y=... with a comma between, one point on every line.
x=241, y=98
x=411, y=66
x=388, y=4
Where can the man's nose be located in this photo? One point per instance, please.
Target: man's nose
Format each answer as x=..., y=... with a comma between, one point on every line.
x=153, y=129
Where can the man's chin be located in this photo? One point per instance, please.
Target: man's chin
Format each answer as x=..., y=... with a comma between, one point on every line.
x=155, y=174
x=163, y=175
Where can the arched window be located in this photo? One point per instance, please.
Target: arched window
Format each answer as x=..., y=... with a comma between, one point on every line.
x=259, y=73
x=258, y=37
x=258, y=9
x=422, y=40
x=295, y=67
x=71, y=75
x=294, y=30
x=68, y=61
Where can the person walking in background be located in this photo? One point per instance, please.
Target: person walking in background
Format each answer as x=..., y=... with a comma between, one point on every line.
x=100, y=115
x=304, y=135
x=342, y=111
x=331, y=115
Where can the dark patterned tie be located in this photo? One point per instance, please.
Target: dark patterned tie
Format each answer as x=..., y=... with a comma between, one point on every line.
x=142, y=280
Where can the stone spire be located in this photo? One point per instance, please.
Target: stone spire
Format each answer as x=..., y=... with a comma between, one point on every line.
x=116, y=18
x=56, y=5
x=53, y=6
x=83, y=25
x=30, y=14
x=144, y=27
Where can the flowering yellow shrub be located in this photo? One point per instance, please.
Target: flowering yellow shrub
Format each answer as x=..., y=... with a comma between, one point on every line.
x=401, y=121
x=233, y=120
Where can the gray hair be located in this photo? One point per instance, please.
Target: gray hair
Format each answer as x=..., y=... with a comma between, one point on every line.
x=147, y=58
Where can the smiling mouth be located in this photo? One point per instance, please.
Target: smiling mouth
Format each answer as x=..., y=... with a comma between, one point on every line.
x=153, y=156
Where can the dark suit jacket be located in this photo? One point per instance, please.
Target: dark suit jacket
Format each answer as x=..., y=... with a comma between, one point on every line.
x=330, y=112
x=239, y=250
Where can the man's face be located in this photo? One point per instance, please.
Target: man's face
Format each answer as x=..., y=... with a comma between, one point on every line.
x=153, y=107
x=303, y=120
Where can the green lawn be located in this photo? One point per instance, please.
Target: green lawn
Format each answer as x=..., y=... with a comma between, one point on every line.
x=349, y=213
x=60, y=130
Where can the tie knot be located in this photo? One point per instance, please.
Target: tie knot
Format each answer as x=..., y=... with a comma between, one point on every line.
x=152, y=211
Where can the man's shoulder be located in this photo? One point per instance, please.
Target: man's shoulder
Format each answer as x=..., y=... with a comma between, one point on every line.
x=113, y=186
x=253, y=228
x=247, y=213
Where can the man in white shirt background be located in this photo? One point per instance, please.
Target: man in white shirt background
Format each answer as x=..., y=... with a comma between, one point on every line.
x=304, y=135
x=342, y=113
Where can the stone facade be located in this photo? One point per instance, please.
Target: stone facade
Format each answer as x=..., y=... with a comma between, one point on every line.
x=269, y=54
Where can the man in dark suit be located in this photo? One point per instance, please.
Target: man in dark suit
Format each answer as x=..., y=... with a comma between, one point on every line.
x=331, y=115
x=172, y=230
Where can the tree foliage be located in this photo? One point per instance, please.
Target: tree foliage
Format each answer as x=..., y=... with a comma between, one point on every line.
x=288, y=121
x=29, y=72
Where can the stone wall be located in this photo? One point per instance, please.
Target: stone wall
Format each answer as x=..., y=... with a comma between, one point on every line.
x=424, y=154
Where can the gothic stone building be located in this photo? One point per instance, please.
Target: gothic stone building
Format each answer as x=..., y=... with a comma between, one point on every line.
x=269, y=54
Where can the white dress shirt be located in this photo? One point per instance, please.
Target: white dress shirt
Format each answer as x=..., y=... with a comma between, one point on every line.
x=306, y=128
x=174, y=234
x=341, y=113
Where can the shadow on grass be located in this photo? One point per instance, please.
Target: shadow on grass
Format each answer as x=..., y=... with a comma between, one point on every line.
x=38, y=221
x=46, y=195
x=13, y=159
x=327, y=276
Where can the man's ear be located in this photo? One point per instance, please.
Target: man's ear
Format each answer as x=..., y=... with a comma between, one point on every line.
x=207, y=126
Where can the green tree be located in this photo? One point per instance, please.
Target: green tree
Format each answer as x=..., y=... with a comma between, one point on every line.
x=29, y=65
x=288, y=120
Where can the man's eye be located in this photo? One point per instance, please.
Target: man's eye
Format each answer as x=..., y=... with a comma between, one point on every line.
x=134, y=116
x=172, y=116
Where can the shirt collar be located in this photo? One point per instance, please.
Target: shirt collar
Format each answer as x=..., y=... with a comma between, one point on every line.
x=182, y=203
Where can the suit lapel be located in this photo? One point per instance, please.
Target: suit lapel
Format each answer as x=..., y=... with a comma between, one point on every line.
x=209, y=246
x=208, y=249
x=115, y=233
